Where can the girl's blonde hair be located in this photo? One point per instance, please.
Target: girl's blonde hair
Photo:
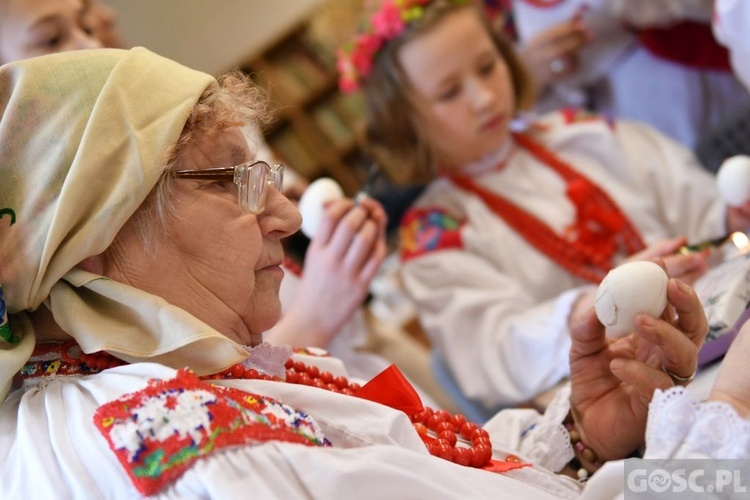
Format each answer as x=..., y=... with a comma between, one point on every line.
x=391, y=132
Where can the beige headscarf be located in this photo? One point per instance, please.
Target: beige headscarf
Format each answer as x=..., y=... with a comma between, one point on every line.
x=82, y=137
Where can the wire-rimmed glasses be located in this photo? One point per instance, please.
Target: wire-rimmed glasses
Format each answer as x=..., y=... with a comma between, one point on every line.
x=252, y=180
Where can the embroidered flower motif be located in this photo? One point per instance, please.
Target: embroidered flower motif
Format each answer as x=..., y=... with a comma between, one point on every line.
x=388, y=23
x=159, y=432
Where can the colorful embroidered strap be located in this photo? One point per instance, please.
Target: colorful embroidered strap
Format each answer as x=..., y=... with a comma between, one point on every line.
x=5, y=334
x=158, y=432
x=425, y=230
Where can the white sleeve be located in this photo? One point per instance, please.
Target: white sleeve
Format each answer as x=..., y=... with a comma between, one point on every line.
x=501, y=345
x=539, y=439
x=661, y=13
x=680, y=427
x=688, y=200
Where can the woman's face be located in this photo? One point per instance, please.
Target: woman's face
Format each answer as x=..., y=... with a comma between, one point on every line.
x=30, y=28
x=462, y=90
x=214, y=260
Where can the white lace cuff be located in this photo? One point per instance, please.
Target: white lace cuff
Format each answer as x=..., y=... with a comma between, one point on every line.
x=680, y=427
x=548, y=443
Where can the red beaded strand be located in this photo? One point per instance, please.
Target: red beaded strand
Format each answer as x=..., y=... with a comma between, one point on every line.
x=439, y=430
x=447, y=427
x=588, y=246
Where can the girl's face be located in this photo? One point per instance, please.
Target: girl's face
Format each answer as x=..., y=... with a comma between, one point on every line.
x=462, y=90
x=30, y=28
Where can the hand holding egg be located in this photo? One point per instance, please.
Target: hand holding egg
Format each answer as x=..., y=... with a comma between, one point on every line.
x=313, y=200
x=628, y=290
x=733, y=180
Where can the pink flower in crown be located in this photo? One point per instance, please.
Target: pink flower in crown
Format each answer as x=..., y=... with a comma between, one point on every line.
x=365, y=48
x=348, y=81
x=388, y=22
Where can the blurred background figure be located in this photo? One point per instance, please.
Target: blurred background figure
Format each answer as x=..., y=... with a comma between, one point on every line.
x=652, y=61
x=101, y=21
x=30, y=28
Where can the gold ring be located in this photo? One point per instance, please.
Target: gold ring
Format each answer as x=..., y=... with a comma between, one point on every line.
x=677, y=379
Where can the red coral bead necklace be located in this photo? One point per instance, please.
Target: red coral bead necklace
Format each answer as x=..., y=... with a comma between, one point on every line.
x=447, y=436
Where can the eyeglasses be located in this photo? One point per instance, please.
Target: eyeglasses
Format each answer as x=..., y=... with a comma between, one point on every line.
x=252, y=179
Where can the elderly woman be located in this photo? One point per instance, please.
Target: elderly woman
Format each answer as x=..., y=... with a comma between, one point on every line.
x=144, y=238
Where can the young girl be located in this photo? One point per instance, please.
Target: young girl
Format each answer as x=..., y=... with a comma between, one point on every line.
x=516, y=228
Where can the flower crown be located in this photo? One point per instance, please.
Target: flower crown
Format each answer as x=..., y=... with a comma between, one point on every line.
x=355, y=59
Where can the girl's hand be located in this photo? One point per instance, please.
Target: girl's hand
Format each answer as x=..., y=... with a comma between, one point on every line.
x=685, y=267
x=341, y=260
x=612, y=380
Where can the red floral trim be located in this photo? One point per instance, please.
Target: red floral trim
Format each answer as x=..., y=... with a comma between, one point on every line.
x=572, y=116
x=157, y=433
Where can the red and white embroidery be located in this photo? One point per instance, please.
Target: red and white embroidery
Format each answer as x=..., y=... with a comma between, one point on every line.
x=158, y=432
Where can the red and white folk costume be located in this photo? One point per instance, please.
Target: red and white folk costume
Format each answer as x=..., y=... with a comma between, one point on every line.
x=496, y=306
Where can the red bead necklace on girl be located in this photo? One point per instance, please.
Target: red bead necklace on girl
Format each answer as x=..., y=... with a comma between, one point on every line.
x=590, y=242
x=448, y=436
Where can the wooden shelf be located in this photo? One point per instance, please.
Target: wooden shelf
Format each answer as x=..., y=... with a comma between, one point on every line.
x=318, y=129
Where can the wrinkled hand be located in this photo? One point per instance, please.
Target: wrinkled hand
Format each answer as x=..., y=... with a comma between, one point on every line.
x=561, y=43
x=341, y=260
x=612, y=380
x=685, y=267
x=732, y=384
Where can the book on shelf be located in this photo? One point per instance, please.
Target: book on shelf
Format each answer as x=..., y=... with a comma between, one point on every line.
x=285, y=83
x=351, y=107
x=294, y=62
x=333, y=125
x=322, y=53
x=289, y=146
x=724, y=292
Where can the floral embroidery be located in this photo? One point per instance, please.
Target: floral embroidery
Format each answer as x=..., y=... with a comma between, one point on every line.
x=158, y=432
x=427, y=230
x=576, y=115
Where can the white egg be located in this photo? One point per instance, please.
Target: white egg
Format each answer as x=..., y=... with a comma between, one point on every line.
x=733, y=180
x=312, y=201
x=628, y=290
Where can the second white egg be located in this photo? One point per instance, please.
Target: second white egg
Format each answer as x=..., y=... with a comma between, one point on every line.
x=312, y=201
x=733, y=180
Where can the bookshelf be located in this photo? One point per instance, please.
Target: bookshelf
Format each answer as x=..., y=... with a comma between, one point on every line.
x=318, y=130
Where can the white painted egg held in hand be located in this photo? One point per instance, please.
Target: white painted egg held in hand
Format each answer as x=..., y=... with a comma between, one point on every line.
x=312, y=201
x=628, y=290
x=733, y=180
